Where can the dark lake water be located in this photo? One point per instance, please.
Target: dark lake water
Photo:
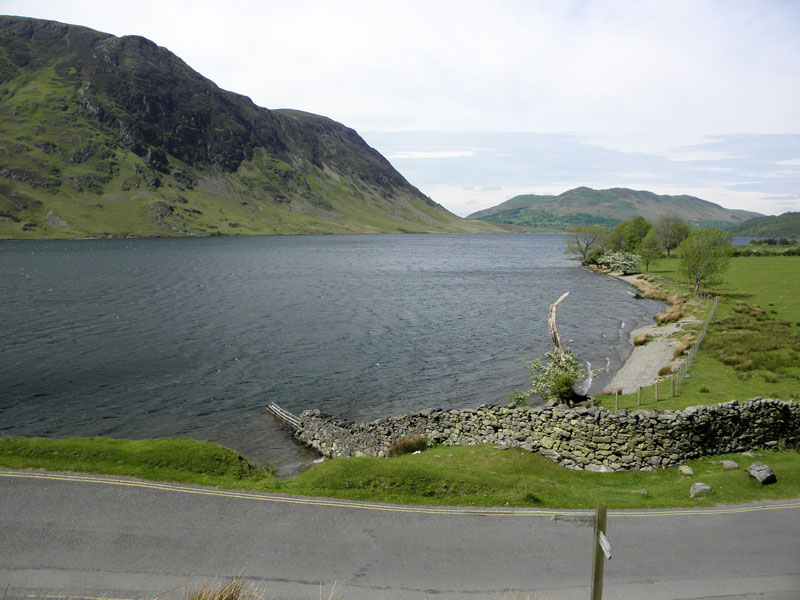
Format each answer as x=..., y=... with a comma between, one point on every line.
x=194, y=337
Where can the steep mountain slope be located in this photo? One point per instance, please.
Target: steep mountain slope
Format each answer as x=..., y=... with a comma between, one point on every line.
x=102, y=135
x=785, y=225
x=583, y=205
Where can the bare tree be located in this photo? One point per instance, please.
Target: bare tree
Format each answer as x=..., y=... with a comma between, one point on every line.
x=582, y=240
x=671, y=230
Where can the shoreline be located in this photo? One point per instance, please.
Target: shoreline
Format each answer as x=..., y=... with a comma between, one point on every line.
x=641, y=367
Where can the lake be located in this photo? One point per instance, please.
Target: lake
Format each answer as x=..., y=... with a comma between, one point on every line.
x=146, y=338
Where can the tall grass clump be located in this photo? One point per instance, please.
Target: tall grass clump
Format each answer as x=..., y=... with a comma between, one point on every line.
x=409, y=445
x=235, y=589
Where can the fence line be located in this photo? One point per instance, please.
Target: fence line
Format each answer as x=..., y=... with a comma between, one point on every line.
x=284, y=416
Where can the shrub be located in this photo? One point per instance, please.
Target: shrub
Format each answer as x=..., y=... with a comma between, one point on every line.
x=594, y=256
x=624, y=262
x=553, y=380
x=704, y=389
x=641, y=340
x=408, y=445
x=683, y=346
x=665, y=370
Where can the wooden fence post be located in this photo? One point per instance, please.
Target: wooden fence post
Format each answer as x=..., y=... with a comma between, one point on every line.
x=598, y=558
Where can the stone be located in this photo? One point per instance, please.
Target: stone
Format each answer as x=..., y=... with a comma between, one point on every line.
x=762, y=472
x=685, y=470
x=729, y=464
x=598, y=468
x=699, y=488
x=643, y=492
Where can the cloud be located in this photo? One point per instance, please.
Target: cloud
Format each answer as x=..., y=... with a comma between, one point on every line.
x=413, y=154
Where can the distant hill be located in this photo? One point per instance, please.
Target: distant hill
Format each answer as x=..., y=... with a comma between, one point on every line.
x=583, y=206
x=786, y=225
x=101, y=135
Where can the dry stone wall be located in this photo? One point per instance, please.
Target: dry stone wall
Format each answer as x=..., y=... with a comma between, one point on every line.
x=580, y=438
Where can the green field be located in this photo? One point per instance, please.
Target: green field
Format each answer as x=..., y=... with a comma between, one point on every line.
x=753, y=343
x=758, y=320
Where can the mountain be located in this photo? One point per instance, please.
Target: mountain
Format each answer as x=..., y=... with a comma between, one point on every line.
x=786, y=225
x=101, y=135
x=583, y=206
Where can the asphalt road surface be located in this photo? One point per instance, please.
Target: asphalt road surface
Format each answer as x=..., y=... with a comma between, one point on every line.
x=83, y=536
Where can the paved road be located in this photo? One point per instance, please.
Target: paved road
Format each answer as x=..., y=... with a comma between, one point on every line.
x=81, y=536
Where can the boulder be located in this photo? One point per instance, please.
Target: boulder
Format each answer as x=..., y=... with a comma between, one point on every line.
x=729, y=464
x=699, y=488
x=598, y=468
x=643, y=492
x=685, y=470
x=762, y=472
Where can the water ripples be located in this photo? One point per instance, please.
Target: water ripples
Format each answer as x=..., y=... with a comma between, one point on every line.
x=193, y=337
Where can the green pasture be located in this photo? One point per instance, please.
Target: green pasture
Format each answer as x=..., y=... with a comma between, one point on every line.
x=753, y=343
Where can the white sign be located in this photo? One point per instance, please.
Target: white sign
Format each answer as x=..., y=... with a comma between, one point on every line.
x=605, y=545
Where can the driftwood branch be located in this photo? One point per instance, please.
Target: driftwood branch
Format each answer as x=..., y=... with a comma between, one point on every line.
x=551, y=325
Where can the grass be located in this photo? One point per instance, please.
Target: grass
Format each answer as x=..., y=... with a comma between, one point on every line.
x=440, y=476
x=753, y=344
x=181, y=460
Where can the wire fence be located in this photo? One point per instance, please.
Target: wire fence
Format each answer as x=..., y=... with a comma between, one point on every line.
x=683, y=370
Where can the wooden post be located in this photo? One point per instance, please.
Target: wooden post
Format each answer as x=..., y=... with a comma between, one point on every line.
x=673, y=386
x=639, y=396
x=656, y=390
x=551, y=325
x=598, y=559
x=616, y=399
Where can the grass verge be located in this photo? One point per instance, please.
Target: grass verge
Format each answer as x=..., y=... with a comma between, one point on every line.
x=440, y=476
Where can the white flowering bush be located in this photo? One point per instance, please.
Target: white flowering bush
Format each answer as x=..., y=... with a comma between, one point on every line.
x=624, y=262
x=553, y=377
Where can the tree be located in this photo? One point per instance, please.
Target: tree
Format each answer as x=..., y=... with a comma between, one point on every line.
x=671, y=230
x=627, y=235
x=555, y=380
x=650, y=249
x=583, y=239
x=704, y=256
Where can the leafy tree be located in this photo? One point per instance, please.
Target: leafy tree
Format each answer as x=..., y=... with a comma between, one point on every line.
x=704, y=256
x=650, y=248
x=553, y=380
x=671, y=230
x=583, y=239
x=627, y=235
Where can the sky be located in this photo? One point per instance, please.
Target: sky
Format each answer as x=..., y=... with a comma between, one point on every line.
x=476, y=102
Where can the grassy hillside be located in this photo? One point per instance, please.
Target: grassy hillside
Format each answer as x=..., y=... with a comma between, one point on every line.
x=786, y=225
x=107, y=136
x=584, y=206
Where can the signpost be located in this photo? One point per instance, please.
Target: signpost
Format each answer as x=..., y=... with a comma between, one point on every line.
x=601, y=547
